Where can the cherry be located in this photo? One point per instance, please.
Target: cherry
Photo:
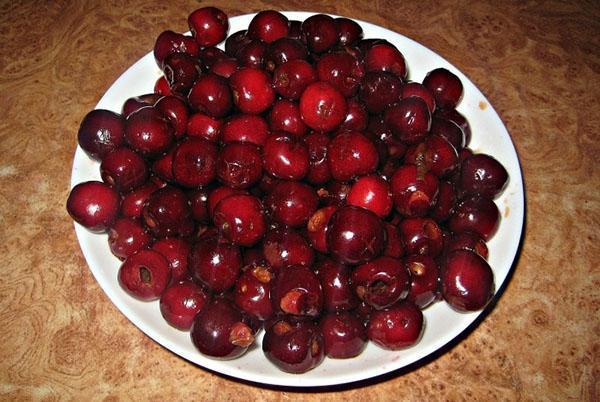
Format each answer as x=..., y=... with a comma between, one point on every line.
x=335, y=193
x=446, y=202
x=436, y=154
x=195, y=162
x=285, y=116
x=252, y=90
x=245, y=128
x=181, y=71
x=169, y=42
x=292, y=203
x=216, y=264
x=123, y=169
x=338, y=294
x=294, y=347
x=378, y=90
x=93, y=205
x=268, y=26
x=449, y=130
x=161, y=86
x=291, y=78
x=414, y=192
x=372, y=193
x=241, y=219
x=211, y=95
x=482, y=174
x=145, y=275
x=252, y=54
x=342, y=70
x=162, y=167
x=320, y=33
x=355, y=235
x=344, y=335
x=421, y=236
x=381, y=282
x=217, y=194
x=101, y=132
x=351, y=154
x=295, y=29
x=176, y=112
x=467, y=241
x=396, y=327
x=127, y=236
x=322, y=106
x=356, y=118
x=349, y=31
x=395, y=244
x=420, y=91
x=219, y=330
x=316, y=229
x=148, y=132
x=457, y=118
x=252, y=292
x=199, y=204
x=180, y=303
x=284, y=247
x=387, y=58
x=467, y=281
x=225, y=67
x=424, y=276
x=208, y=25
x=296, y=290
x=167, y=212
x=134, y=201
x=318, y=172
x=239, y=165
x=209, y=56
x=409, y=119
x=476, y=214
x=446, y=87
x=135, y=103
x=285, y=157
x=204, y=126
x=176, y=250
x=283, y=50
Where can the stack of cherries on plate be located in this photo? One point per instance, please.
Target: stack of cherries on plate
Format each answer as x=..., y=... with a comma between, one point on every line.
x=295, y=182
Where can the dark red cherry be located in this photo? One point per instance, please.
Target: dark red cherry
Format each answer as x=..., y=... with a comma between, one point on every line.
x=322, y=106
x=94, y=205
x=467, y=281
x=446, y=87
x=477, y=214
x=135, y=103
x=356, y=118
x=424, y=276
x=268, y=26
x=292, y=203
x=285, y=116
x=216, y=264
x=285, y=157
x=219, y=330
x=252, y=292
x=421, y=236
x=169, y=42
x=467, y=241
x=460, y=120
x=355, y=235
x=396, y=327
x=145, y=275
x=235, y=41
x=241, y=219
x=134, y=201
x=297, y=291
x=436, y=154
x=409, y=119
x=195, y=162
x=420, y=91
x=283, y=247
x=252, y=90
x=482, y=174
x=162, y=167
x=445, y=203
x=181, y=71
x=379, y=90
x=292, y=77
x=199, y=204
x=176, y=112
x=342, y=70
x=335, y=193
x=414, y=192
x=372, y=193
x=127, y=236
x=449, y=130
x=239, y=165
x=381, y=282
x=395, y=244
x=161, y=86
x=211, y=95
x=167, y=212
x=349, y=31
x=180, y=303
x=209, y=56
x=351, y=154
x=252, y=54
x=225, y=67
x=316, y=229
x=344, y=335
x=283, y=50
x=208, y=25
x=386, y=58
x=204, y=126
x=320, y=33
x=101, y=132
x=318, y=172
x=338, y=294
x=176, y=250
x=245, y=128
x=123, y=169
x=217, y=194
x=294, y=347
x=148, y=132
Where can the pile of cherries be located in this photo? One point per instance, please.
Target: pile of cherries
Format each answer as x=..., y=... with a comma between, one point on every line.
x=295, y=181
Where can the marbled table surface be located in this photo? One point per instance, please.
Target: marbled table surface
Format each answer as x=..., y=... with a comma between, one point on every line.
x=537, y=62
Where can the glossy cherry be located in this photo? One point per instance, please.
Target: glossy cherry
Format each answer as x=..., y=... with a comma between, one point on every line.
x=291, y=78
x=252, y=292
x=245, y=128
x=414, y=190
x=297, y=291
x=396, y=327
x=372, y=193
x=292, y=203
x=322, y=106
x=421, y=236
x=424, y=275
x=344, y=335
x=319, y=32
x=123, y=169
x=241, y=219
x=239, y=165
x=93, y=205
x=285, y=157
x=316, y=228
x=318, y=172
x=351, y=154
x=379, y=90
x=167, y=212
x=195, y=162
x=381, y=282
x=148, y=132
x=338, y=293
x=476, y=214
x=145, y=275
x=169, y=42
x=482, y=174
x=283, y=247
x=268, y=26
x=211, y=95
x=446, y=87
x=127, y=236
x=252, y=90
x=101, y=132
x=215, y=263
x=180, y=303
x=176, y=250
x=208, y=25
x=409, y=119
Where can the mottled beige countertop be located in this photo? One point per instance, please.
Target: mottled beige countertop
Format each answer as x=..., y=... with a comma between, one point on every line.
x=537, y=62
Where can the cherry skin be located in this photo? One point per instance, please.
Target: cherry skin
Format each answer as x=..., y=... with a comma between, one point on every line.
x=449, y=130
x=482, y=174
x=319, y=32
x=133, y=202
x=424, y=276
x=135, y=103
x=396, y=327
x=476, y=214
x=123, y=169
x=338, y=294
x=148, y=132
x=94, y=205
x=239, y=165
x=421, y=91
x=292, y=203
x=208, y=25
x=204, y=126
x=195, y=162
x=181, y=71
x=211, y=95
x=387, y=58
x=169, y=42
x=241, y=219
x=316, y=228
x=395, y=244
x=180, y=303
x=285, y=157
x=409, y=119
x=446, y=87
x=252, y=90
x=216, y=264
x=216, y=195
x=283, y=50
x=268, y=26
x=127, y=236
x=176, y=112
x=467, y=241
x=421, y=236
x=297, y=291
x=467, y=281
x=349, y=31
x=381, y=282
x=219, y=330
x=318, y=172
x=176, y=250
x=248, y=128
x=167, y=212
x=414, y=192
x=342, y=70
x=379, y=90
x=344, y=335
x=100, y=132
x=372, y=193
x=351, y=154
x=252, y=54
x=145, y=275
x=436, y=154
x=283, y=247
x=292, y=77
x=322, y=106
x=252, y=292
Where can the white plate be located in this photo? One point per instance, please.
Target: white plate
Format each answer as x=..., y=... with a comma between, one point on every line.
x=442, y=324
